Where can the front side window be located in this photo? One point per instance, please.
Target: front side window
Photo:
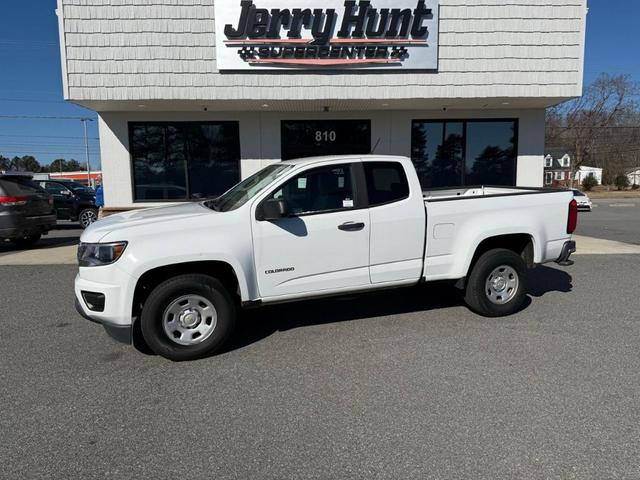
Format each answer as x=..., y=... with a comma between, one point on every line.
x=386, y=182
x=184, y=160
x=461, y=153
x=54, y=188
x=325, y=189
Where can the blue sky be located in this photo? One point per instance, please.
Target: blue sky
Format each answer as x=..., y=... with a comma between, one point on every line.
x=31, y=84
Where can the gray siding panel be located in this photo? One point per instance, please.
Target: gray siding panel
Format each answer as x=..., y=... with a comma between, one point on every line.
x=165, y=49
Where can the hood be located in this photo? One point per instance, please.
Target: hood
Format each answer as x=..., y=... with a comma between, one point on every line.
x=141, y=218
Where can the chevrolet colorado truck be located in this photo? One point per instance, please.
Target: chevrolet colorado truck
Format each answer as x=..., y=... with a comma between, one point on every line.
x=310, y=228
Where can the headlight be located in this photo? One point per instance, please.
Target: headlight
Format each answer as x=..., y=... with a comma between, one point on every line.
x=98, y=254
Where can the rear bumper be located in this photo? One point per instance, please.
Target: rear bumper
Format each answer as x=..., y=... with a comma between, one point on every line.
x=16, y=226
x=568, y=249
x=120, y=333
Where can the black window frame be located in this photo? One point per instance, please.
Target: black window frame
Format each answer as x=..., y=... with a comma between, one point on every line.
x=133, y=124
x=358, y=183
x=465, y=121
x=366, y=179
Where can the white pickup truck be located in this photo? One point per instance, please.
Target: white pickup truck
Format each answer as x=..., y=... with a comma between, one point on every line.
x=310, y=228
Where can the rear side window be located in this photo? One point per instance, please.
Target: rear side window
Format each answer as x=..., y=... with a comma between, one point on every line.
x=18, y=186
x=386, y=182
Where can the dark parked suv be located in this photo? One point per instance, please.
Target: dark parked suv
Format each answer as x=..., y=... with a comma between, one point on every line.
x=72, y=201
x=26, y=210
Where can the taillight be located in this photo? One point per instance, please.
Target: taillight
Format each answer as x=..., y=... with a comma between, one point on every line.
x=572, y=222
x=8, y=200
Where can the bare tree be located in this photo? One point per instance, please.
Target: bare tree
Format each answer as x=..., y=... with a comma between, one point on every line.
x=599, y=125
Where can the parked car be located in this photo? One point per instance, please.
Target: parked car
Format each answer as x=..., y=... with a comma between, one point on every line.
x=26, y=210
x=310, y=228
x=72, y=201
x=584, y=202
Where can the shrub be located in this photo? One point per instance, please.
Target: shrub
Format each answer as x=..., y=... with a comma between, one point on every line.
x=589, y=182
x=635, y=186
x=622, y=182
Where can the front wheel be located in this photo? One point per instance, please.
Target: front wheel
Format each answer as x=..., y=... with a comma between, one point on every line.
x=497, y=285
x=87, y=217
x=188, y=317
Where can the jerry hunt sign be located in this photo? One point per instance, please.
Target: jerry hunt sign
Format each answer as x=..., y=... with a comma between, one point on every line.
x=326, y=34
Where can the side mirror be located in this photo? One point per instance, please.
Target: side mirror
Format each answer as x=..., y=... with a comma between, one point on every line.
x=66, y=193
x=273, y=209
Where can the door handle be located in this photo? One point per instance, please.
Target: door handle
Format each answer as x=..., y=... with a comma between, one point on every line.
x=351, y=227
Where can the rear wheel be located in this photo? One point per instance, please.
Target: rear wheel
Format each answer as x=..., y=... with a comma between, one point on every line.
x=188, y=317
x=27, y=241
x=497, y=285
x=87, y=217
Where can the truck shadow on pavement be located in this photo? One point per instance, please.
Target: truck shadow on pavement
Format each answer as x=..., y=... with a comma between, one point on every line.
x=256, y=325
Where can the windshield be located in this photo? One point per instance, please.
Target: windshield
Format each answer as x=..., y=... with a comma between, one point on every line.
x=578, y=193
x=246, y=190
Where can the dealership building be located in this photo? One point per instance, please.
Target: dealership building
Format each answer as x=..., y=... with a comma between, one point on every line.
x=193, y=95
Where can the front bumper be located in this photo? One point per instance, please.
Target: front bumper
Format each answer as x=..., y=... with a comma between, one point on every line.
x=568, y=249
x=115, y=314
x=120, y=333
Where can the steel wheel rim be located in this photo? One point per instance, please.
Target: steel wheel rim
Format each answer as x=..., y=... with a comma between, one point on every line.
x=189, y=320
x=87, y=218
x=502, y=285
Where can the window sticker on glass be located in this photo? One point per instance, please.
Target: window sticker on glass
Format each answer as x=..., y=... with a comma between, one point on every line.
x=302, y=183
x=347, y=203
x=340, y=182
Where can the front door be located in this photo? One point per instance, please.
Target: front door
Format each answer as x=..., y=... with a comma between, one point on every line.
x=323, y=245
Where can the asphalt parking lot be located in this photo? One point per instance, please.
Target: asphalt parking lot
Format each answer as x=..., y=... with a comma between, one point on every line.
x=402, y=384
x=617, y=220
x=66, y=233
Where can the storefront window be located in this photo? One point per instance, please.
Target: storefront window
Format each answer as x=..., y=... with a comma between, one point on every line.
x=311, y=138
x=458, y=153
x=183, y=160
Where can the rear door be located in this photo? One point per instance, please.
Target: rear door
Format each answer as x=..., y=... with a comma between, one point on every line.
x=398, y=223
x=323, y=246
x=37, y=201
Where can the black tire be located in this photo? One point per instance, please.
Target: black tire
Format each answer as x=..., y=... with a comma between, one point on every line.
x=166, y=294
x=27, y=241
x=478, y=296
x=87, y=216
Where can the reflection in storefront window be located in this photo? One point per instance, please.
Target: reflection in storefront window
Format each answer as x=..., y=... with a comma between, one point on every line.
x=457, y=153
x=183, y=161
